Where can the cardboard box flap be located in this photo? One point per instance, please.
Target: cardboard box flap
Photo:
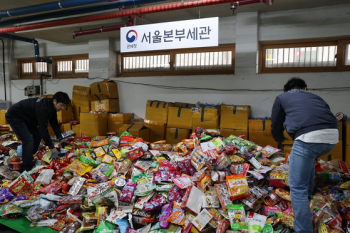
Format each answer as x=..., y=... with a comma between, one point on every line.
x=263, y=124
x=183, y=105
x=157, y=110
x=106, y=87
x=81, y=90
x=234, y=116
x=98, y=97
x=180, y=118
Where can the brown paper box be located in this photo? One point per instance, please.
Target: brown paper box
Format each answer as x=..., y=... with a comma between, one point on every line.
x=135, y=130
x=347, y=155
x=156, y=130
x=117, y=120
x=208, y=118
x=65, y=116
x=176, y=135
x=93, y=125
x=77, y=110
x=336, y=153
x=2, y=117
x=66, y=127
x=180, y=118
x=234, y=116
x=258, y=138
x=81, y=90
x=235, y=132
x=103, y=103
x=108, y=88
x=157, y=111
x=183, y=105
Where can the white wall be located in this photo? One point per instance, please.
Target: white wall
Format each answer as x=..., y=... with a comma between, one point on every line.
x=246, y=30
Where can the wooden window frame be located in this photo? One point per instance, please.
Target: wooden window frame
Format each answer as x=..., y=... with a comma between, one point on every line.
x=172, y=53
x=29, y=60
x=72, y=58
x=340, y=63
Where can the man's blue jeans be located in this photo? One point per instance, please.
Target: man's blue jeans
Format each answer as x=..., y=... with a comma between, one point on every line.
x=30, y=138
x=301, y=180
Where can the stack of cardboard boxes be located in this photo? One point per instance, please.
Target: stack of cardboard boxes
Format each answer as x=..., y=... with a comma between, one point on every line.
x=260, y=132
x=81, y=99
x=234, y=120
x=104, y=96
x=179, y=122
x=336, y=153
x=156, y=119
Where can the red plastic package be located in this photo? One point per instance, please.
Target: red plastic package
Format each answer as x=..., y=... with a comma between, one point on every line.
x=160, y=176
x=128, y=192
x=50, y=188
x=135, y=153
x=165, y=165
x=125, y=140
x=239, y=169
x=186, y=167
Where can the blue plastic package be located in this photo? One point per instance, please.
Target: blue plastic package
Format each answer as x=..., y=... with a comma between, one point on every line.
x=19, y=150
x=123, y=225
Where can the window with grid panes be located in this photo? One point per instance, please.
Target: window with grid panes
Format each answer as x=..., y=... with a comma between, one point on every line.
x=321, y=55
x=72, y=66
x=31, y=69
x=210, y=60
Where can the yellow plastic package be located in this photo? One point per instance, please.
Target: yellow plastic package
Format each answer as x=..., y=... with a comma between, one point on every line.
x=79, y=167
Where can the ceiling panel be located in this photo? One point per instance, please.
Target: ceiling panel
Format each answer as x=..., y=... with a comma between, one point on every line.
x=63, y=34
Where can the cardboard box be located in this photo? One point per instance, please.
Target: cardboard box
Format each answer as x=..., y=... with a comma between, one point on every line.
x=46, y=96
x=50, y=130
x=93, y=125
x=347, y=155
x=260, y=132
x=108, y=88
x=157, y=111
x=156, y=130
x=77, y=110
x=347, y=132
x=260, y=139
x=138, y=121
x=81, y=90
x=76, y=128
x=179, y=117
x=117, y=120
x=66, y=115
x=183, y=105
x=234, y=116
x=236, y=132
x=135, y=130
x=336, y=153
x=2, y=117
x=208, y=118
x=176, y=135
x=102, y=102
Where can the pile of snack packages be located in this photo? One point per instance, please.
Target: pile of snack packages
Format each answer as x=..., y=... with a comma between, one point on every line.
x=203, y=184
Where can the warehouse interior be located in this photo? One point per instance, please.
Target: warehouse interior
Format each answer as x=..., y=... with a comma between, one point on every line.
x=77, y=47
x=246, y=28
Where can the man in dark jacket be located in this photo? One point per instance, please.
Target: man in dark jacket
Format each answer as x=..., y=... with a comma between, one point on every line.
x=311, y=124
x=29, y=120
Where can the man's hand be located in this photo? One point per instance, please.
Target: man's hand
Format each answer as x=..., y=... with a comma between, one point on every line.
x=54, y=154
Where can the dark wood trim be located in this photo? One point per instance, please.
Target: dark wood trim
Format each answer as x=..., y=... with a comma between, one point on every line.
x=32, y=61
x=72, y=58
x=172, y=53
x=339, y=42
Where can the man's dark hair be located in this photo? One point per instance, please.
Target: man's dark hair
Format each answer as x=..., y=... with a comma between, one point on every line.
x=61, y=97
x=294, y=83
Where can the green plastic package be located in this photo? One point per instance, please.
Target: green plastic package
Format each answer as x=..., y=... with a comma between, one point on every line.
x=237, y=216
